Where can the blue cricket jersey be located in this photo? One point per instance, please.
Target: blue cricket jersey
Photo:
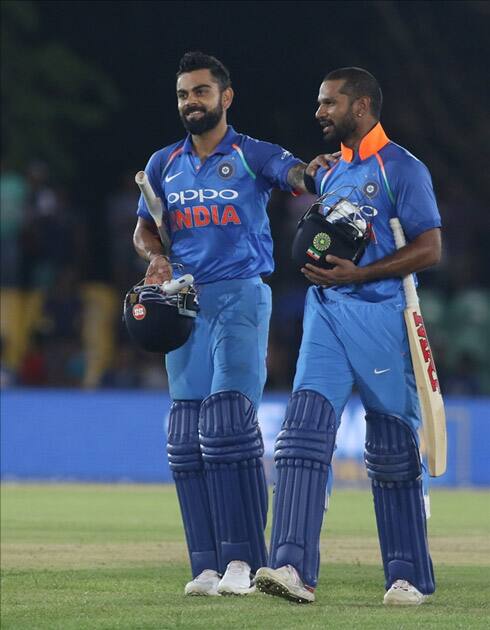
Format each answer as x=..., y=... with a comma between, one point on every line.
x=384, y=180
x=216, y=211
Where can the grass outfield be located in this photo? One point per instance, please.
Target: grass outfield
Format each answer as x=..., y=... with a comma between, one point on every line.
x=102, y=557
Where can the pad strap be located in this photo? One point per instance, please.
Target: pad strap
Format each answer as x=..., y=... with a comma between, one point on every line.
x=187, y=468
x=303, y=453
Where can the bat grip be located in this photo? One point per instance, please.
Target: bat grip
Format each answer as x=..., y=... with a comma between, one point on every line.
x=152, y=201
x=411, y=296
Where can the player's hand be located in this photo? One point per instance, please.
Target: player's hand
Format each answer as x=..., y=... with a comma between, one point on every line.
x=344, y=272
x=325, y=160
x=158, y=270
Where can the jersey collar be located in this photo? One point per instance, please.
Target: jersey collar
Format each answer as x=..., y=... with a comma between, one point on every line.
x=372, y=142
x=223, y=147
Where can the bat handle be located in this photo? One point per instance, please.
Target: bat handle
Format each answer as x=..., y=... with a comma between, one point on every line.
x=154, y=205
x=396, y=228
x=152, y=201
x=409, y=288
x=140, y=178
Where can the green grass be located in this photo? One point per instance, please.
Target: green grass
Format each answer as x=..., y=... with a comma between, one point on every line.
x=103, y=557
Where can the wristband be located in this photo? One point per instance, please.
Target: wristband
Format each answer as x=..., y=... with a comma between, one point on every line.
x=309, y=183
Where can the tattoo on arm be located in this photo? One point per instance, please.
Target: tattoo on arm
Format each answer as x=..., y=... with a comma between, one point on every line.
x=295, y=177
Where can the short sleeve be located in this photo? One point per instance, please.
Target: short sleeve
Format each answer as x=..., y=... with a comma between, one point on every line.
x=414, y=197
x=270, y=161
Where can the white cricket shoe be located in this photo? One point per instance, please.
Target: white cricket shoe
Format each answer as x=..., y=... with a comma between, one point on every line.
x=206, y=583
x=237, y=579
x=284, y=582
x=402, y=593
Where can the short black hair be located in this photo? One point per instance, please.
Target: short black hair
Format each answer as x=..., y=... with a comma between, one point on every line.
x=359, y=82
x=197, y=60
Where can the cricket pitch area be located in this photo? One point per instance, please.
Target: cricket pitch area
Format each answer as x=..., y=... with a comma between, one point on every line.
x=113, y=556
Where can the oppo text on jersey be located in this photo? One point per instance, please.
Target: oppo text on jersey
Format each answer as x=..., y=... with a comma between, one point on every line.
x=201, y=195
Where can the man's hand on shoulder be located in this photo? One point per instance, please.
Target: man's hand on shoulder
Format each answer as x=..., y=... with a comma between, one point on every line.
x=344, y=272
x=159, y=270
x=301, y=176
x=324, y=160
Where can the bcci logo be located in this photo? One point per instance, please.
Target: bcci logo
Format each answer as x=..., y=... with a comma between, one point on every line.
x=225, y=170
x=321, y=243
x=371, y=189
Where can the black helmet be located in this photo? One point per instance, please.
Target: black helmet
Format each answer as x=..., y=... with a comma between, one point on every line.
x=342, y=232
x=156, y=321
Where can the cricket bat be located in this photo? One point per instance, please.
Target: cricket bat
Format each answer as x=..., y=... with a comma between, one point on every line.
x=428, y=389
x=155, y=206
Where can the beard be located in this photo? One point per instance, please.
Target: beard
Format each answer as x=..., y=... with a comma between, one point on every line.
x=342, y=131
x=206, y=122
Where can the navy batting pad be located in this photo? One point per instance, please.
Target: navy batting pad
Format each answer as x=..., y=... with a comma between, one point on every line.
x=232, y=449
x=303, y=453
x=393, y=464
x=184, y=456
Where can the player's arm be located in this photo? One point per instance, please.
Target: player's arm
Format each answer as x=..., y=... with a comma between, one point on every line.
x=301, y=176
x=417, y=210
x=279, y=168
x=423, y=252
x=149, y=246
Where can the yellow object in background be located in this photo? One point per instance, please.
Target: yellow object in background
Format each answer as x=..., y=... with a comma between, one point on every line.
x=100, y=304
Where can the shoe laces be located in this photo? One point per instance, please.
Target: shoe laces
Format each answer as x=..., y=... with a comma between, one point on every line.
x=207, y=574
x=403, y=584
x=236, y=567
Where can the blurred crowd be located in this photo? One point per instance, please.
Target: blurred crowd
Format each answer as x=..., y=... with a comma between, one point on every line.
x=65, y=271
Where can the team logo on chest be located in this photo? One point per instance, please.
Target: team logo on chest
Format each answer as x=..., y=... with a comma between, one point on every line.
x=370, y=189
x=226, y=170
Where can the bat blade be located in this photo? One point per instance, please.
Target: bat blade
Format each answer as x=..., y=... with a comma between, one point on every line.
x=428, y=389
x=154, y=205
x=429, y=392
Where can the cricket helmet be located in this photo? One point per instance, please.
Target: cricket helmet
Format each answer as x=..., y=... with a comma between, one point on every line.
x=158, y=322
x=338, y=229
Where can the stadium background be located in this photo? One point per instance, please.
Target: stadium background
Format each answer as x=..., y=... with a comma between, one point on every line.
x=88, y=95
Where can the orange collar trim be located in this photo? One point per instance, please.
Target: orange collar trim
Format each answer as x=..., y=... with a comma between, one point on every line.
x=372, y=142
